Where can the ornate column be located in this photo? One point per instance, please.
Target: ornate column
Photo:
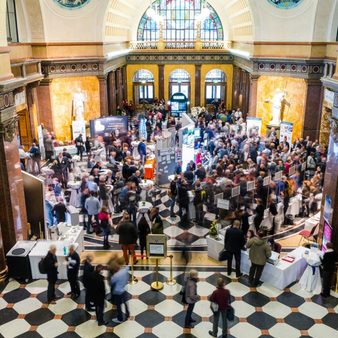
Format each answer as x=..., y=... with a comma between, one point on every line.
x=124, y=82
x=160, y=82
x=103, y=95
x=119, y=87
x=253, y=95
x=3, y=267
x=13, y=218
x=197, y=85
x=45, y=104
x=32, y=104
x=112, y=93
x=312, y=114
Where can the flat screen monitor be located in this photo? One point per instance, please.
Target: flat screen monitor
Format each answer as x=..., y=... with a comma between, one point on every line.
x=156, y=249
x=327, y=234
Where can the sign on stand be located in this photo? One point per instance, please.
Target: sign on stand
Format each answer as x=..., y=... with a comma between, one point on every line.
x=278, y=175
x=166, y=164
x=292, y=170
x=223, y=204
x=79, y=127
x=250, y=186
x=266, y=181
x=235, y=191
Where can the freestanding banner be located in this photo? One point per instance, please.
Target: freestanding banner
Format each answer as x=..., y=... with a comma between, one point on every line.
x=112, y=125
x=79, y=127
x=253, y=126
x=286, y=129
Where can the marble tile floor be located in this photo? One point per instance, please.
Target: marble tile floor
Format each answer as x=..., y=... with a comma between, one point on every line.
x=260, y=312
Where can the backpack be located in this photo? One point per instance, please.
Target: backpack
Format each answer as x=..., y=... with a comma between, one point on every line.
x=42, y=266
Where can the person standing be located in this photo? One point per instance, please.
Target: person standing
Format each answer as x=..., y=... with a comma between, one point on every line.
x=98, y=292
x=88, y=271
x=328, y=264
x=73, y=266
x=118, y=285
x=259, y=252
x=233, y=243
x=221, y=297
x=127, y=238
x=59, y=211
x=92, y=205
x=143, y=225
x=142, y=150
x=51, y=267
x=191, y=297
x=172, y=195
x=35, y=156
x=183, y=202
x=105, y=222
x=79, y=145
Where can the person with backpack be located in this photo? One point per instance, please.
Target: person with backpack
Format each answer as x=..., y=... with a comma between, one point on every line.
x=190, y=297
x=50, y=266
x=59, y=211
x=259, y=253
x=35, y=156
x=220, y=299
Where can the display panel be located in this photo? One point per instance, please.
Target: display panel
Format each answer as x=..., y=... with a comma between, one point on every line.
x=156, y=249
x=327, y=234
x=115, y=125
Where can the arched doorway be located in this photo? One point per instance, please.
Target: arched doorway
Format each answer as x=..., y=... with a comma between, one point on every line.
x=179, y=82
x=215, y=86
x=143, y=87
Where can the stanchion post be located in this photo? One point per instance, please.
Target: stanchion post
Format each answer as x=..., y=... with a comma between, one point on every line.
x=157, y=285
x=171, y=280
x=133, y=280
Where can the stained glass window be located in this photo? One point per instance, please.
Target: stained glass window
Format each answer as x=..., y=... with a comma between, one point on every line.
x=143, y=75
x=180, y=18
x=179, y=75
x=215, y=75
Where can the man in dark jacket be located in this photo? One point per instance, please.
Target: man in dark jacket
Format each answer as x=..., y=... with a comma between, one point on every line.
x=183, y=202
x=51, y=267
x=233, y=243
x=79, y=145
x=127, y=237
x=328, y=264
x=59, y=211
x=98, y=292
x=73, y=266
x=88, y=271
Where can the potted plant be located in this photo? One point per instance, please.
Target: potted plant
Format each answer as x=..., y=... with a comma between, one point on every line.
x=213, y=229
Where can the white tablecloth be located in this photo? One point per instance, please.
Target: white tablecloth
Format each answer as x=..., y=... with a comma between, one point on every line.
x=280, y=275
x=294, y=206
x=40, y=250
x=75, y=196
x=312, y=221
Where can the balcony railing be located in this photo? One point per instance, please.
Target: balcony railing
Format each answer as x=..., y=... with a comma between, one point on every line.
x=205, y=45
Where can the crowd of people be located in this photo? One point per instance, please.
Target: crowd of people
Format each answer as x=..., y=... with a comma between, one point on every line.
x=226, y=157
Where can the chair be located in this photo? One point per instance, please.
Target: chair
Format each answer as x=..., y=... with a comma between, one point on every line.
x=307, y=234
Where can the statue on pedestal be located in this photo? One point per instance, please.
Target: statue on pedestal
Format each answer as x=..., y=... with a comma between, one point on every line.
x=79, y=99
x=278, y=106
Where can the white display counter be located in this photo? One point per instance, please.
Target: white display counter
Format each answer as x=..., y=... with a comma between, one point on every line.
x=280, y=275
x=311, y=222
x=73, y=235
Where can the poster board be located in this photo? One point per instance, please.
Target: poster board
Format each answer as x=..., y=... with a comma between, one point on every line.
x=266, y=181
x=166, y=165
x=250, y=185
x=235, y=191
x=112, y=125
x=253, y=126
x=157, y=246
x=41, y=143
x=278, y=175
x=223, y=204
x=292, y=170
x=286, y=129
x=217, y=197
x=79, y=127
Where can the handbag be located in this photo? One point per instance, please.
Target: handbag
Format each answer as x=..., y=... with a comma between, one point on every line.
x=214, y=307
x=223, y=255
x=230, y=313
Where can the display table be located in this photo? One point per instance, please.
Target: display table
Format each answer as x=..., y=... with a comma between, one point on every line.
x=69, y=149
x=75, y=196
x=280, y=275
x=145, y=186
x=149, y=168
x=40, y=251
x=73, y=234
x=311, y=222
x=144, y=206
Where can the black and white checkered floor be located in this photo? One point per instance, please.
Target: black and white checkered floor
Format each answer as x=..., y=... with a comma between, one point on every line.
x=261, y=312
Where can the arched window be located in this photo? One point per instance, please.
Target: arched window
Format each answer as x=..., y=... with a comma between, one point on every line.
x=180, y=18
x=143, y=83
x=11, y=22
x=215, y=87
x=179, y=82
